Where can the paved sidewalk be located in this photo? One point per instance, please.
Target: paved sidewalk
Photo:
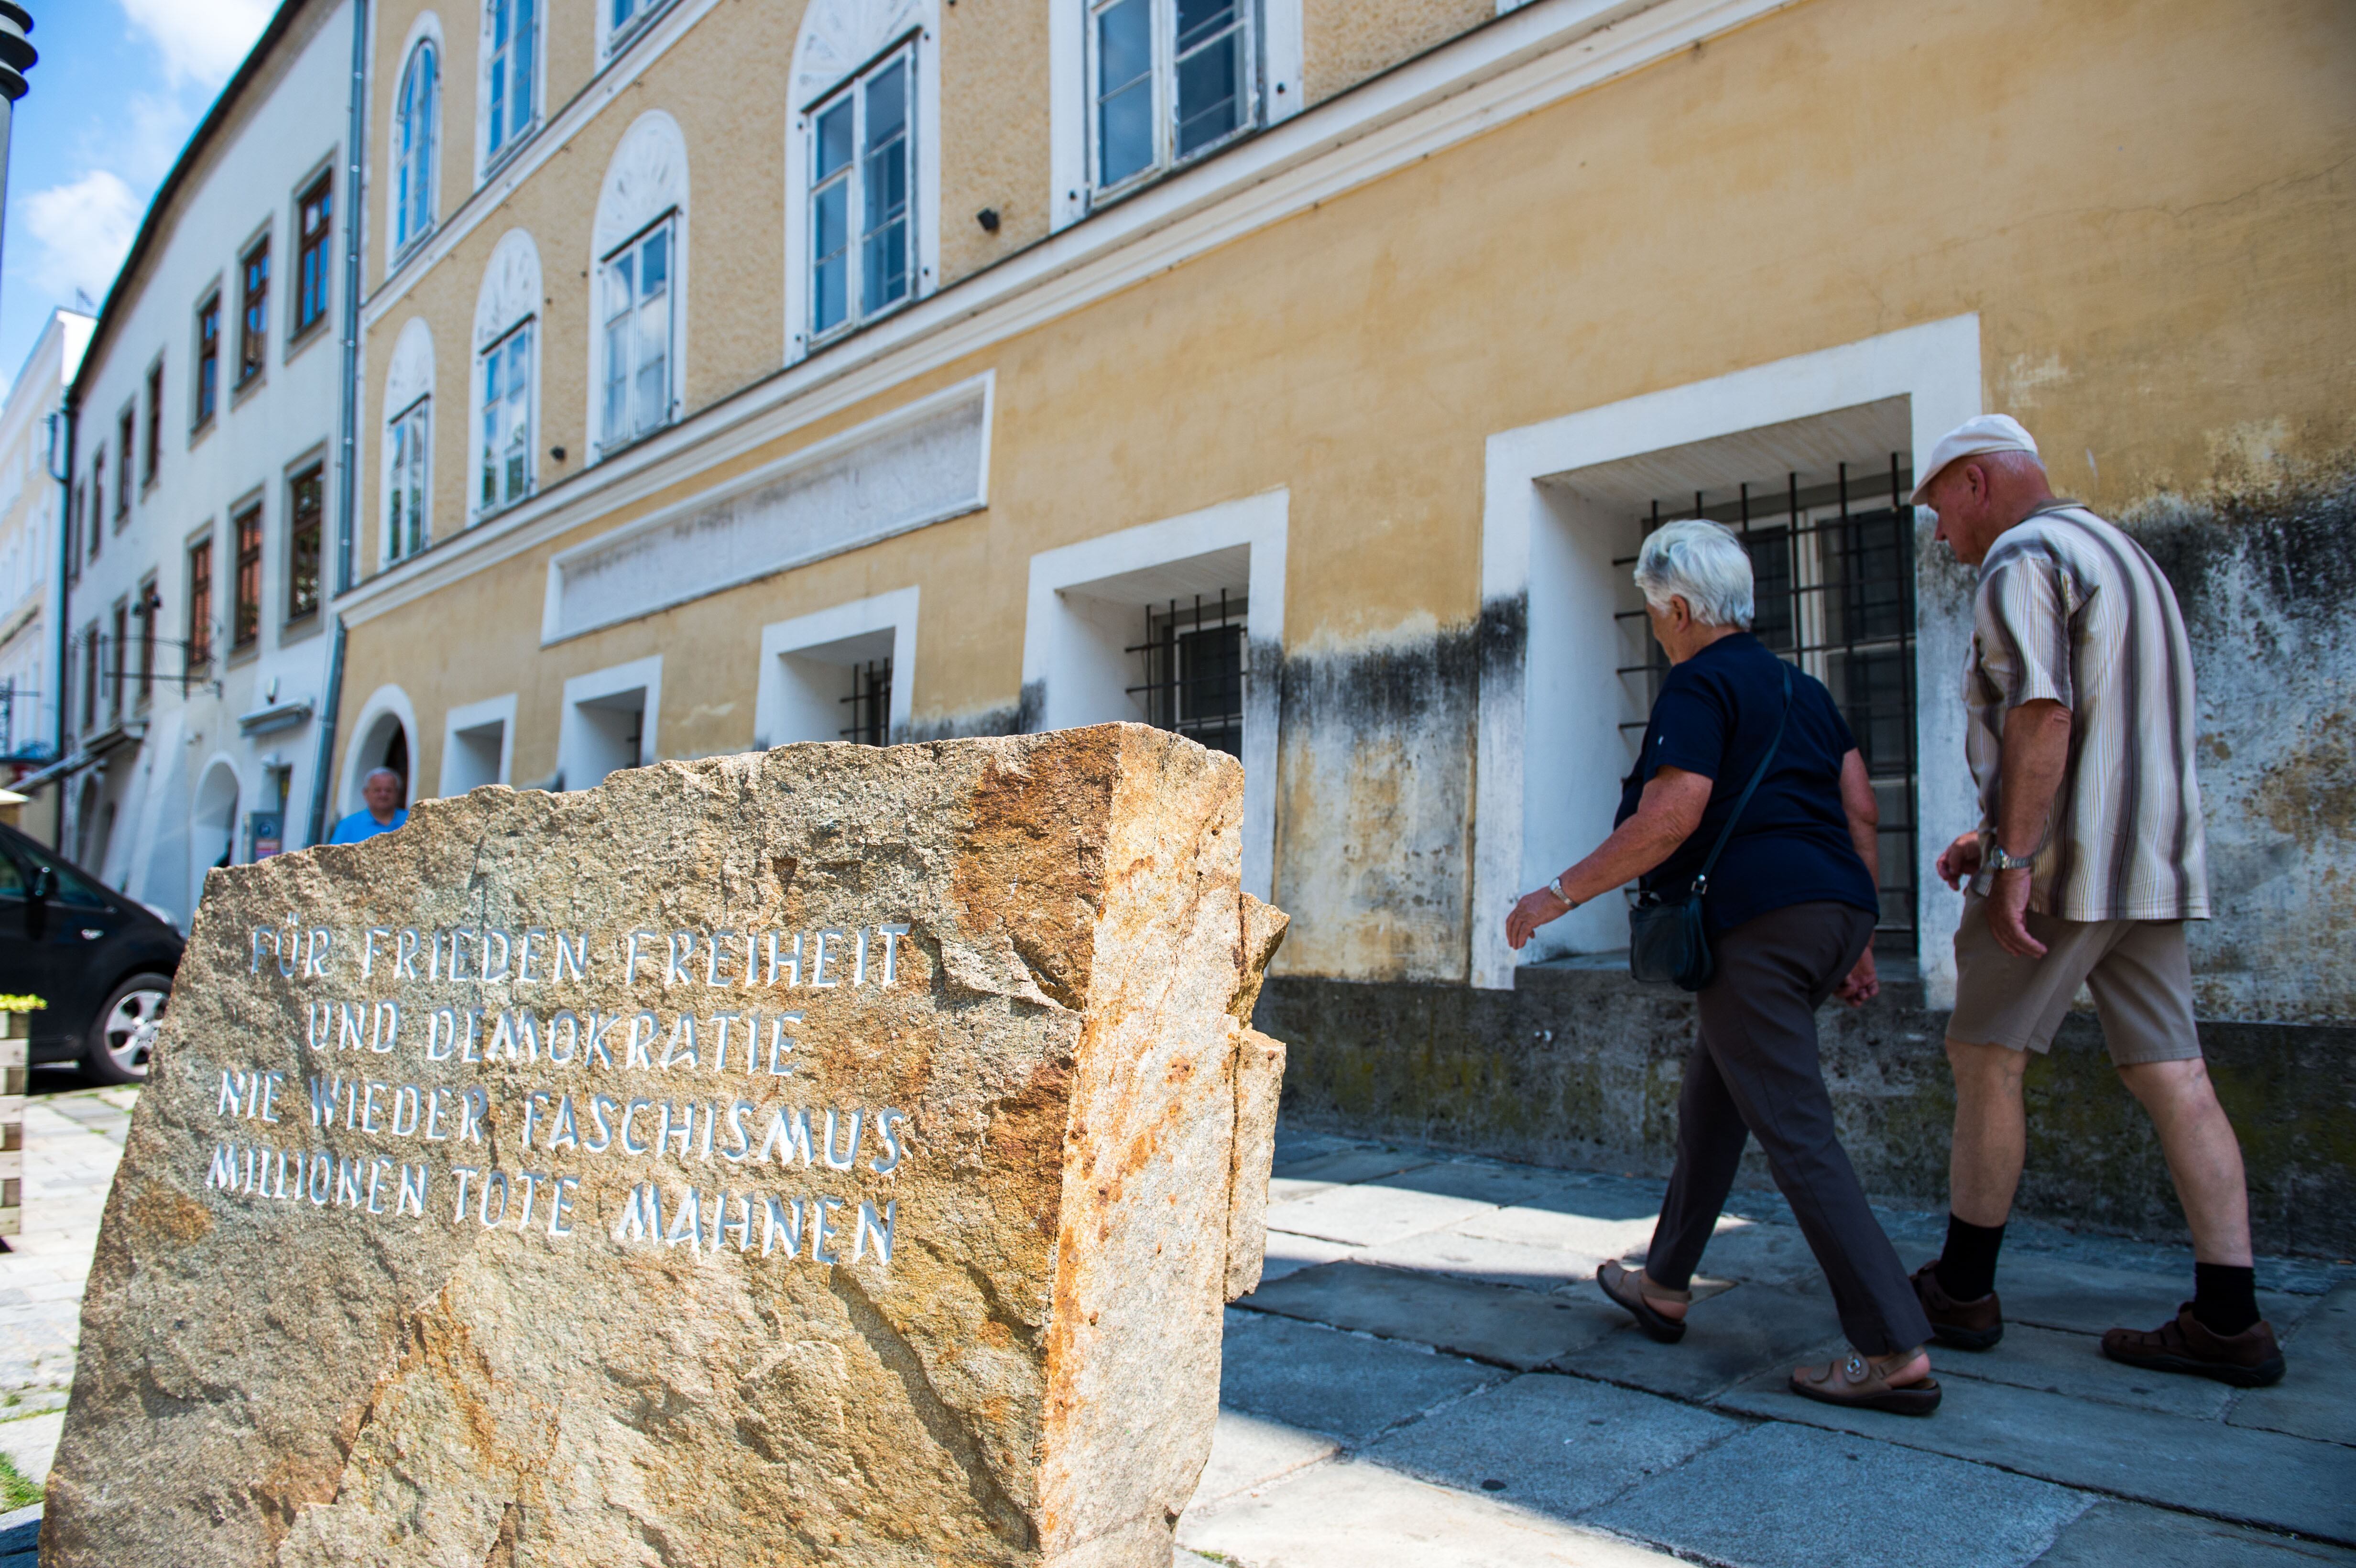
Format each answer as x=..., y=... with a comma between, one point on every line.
x=1427, y=1374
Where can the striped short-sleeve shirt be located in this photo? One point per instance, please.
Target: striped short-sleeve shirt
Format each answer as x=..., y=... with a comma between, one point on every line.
x=2071, y=609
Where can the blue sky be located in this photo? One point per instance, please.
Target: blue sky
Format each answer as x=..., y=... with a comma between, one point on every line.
x=120, y=85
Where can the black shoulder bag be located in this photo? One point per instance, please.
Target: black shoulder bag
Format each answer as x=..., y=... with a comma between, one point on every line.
x=1667, y=944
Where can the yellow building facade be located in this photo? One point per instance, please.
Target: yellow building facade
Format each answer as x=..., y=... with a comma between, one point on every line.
x=1378, y=368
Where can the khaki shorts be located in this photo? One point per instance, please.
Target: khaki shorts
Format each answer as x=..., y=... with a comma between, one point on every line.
x=2137, y=969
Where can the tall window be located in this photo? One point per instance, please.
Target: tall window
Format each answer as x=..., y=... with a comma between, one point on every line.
x=89, y=670
x=97, y=500
x=200, y=605
x=208, y=358
x=405, y=528
x=146, y=609
x=508, y=24
x=1169, y=79
x=253, y=312
x=305, y=504
x=638, y=318
x=314, y=222
x=245, y=624
x=507, y=420
x=74, y=515
x=125, y=424
x=117, y=657
x=413, y=180
x=859, y=180
x=152, y=451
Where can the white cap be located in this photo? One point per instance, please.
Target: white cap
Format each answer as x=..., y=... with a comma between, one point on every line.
x=1982, y=433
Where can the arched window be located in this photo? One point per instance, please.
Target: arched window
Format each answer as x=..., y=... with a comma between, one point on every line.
x=636, y=375
x=862, y=166
x=416, y=117
x=409, y=445
x=506, y=380
x=510, y=94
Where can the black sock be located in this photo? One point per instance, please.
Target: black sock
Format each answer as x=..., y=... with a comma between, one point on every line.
x=1967, y=1265
x=2225, y=1299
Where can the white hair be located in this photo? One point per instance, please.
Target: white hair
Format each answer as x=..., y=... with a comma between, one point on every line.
x=1701, y=562
x=376, y=773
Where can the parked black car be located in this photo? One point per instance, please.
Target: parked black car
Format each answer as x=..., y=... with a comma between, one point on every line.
x=103, y=962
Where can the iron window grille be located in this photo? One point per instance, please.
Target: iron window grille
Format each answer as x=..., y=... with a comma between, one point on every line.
x=1194, y=667
x=1833, y=587
x=870, y=703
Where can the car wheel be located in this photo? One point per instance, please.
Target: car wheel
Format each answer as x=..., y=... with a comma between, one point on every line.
x=123, y=1035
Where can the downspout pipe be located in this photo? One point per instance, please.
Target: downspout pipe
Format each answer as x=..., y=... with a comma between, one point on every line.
x=331, y=701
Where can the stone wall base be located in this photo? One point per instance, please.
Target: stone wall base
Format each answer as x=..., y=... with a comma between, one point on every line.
x=1579, y=1066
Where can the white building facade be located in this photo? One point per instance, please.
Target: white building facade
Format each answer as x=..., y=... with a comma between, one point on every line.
x=32, y=445
x=204, y=501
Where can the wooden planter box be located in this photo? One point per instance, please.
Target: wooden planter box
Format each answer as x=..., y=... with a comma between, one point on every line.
x=15, y=1045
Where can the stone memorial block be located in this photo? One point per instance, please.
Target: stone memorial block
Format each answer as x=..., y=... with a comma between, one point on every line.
x=829, y=1155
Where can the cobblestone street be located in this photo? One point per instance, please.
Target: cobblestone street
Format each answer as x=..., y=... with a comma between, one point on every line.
x=1427, y=1375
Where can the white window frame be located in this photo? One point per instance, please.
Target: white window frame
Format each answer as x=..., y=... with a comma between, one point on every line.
x=424, y=163
x=852, y=90
x=614, y=36
x=489, y=153
x=609, y=439
x=418, y=418
x=528, y=329
x=470, y=718
x=573, y=740
x=1163, y=74
x=794, y=697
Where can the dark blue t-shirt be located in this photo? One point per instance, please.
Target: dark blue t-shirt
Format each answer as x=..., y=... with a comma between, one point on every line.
x=1715, y=716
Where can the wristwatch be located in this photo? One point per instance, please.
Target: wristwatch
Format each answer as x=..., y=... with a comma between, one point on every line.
x=1999, y=859
x=1555, y=887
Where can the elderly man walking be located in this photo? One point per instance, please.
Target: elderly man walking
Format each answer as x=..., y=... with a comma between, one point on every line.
x=2086, y=864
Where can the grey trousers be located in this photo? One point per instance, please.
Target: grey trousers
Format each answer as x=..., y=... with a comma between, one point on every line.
x=1754, y=1072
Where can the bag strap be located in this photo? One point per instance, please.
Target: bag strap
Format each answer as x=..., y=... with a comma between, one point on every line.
x=1701, y=877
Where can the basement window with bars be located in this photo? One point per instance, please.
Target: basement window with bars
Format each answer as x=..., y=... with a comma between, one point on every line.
x=1832, y=566
x=1193, y=659
x=870, y=704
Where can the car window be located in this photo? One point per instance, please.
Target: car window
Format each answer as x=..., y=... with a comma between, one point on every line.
x=73, y=887
x=12, y=878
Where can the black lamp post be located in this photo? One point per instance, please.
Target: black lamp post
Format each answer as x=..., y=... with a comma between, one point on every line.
x=17, y=58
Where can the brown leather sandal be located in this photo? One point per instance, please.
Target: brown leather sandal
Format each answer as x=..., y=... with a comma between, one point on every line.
x=1629, y=1288
x=1862, y=1382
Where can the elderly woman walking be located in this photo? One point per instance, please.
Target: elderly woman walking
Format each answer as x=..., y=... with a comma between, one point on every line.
x=1749, y=757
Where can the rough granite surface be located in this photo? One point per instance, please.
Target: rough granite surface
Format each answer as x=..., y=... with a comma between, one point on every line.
x=291, y=1355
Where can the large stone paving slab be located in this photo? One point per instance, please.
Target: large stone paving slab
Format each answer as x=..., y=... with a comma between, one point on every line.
x=1368, y=1214
x=2128, y=1535
x=1559, y=1444
x=2054, y=1291
x=1349, y=1386
x=954, y=1137
x=1784, y=1496
x=2317, y=1397
x=1729, y=1337
x=2258, y=1477
x=1518, y=1328
x=2074, y=1364
x=1352, y=1514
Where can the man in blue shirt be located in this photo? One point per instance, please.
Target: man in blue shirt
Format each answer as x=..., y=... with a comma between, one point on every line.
x=382, y=790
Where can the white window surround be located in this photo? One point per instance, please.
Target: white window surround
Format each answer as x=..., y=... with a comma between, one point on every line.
x=1935, y=366
x=646, y=179
x=799, y=697
x=587, y=737
x=839, y=38
x=407, y=379
x=426, y=29
x=487, y=158
x=510, y=297
x=1081, y=620
x=386, y=702
x=1071, y=102
x=471, y=755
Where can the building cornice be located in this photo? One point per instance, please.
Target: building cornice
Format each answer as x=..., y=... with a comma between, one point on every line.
x=1502, y=72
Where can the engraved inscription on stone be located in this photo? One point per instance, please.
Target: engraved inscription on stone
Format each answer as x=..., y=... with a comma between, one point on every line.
x=830, y=1155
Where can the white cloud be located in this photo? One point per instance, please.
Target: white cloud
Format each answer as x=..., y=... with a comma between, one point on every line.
x=200, y=40
x=83, y=230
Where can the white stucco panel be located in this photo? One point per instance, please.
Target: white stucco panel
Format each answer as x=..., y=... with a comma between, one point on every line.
x=646, y=178
x=510, y=289
x=907, y=469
